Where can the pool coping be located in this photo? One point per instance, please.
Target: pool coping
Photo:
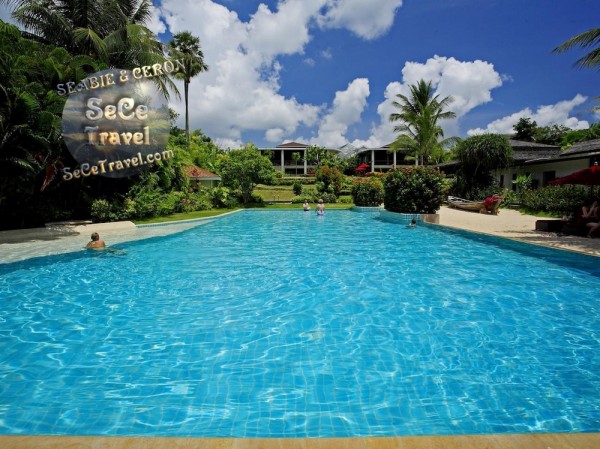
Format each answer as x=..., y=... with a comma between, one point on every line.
x=493, y=441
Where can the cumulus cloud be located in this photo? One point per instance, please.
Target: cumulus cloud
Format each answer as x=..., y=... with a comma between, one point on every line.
x=545, y=115
x=469, y=82
x=241, y=89
x=347, y=108
x=365, y=19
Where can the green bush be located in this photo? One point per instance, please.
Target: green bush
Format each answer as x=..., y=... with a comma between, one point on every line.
x=555, y=199
x=219, y=196
x=367, y=192
x=326, y=197
x=414, y=190
x=297, y=187
x=329, y=180
x=101, y=211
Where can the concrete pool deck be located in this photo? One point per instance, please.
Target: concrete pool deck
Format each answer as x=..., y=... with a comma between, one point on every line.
x=19, y=245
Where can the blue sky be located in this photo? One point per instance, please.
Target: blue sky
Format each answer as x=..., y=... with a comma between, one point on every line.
x=325, y=71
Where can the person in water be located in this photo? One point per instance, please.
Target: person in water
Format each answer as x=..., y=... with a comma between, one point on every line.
x=306, y=206
x=413, y=223
x=320, y=208
x=96, y=243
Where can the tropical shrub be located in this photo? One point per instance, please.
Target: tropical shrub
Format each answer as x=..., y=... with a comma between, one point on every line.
x=557, y=200
x=219, y=196
x=243, y=169
x=414, y=190
x=329, y=180
x=101, y=211
x=367, y=192
x=297, y=188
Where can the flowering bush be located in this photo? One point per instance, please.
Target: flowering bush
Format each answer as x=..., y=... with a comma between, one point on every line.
x=367, y=192
x=332, y=180
x=362, y=169
x=414, y=190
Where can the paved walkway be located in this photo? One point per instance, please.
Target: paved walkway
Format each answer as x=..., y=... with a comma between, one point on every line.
x=514, y=225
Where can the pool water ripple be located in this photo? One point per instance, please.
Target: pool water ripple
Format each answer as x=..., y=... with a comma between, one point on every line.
x=284, y=324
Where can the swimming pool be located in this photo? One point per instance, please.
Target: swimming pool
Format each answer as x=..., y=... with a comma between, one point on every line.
x=284, y=324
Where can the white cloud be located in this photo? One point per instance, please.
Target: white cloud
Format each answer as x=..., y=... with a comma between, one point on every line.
x=156, y=25
x=469, y=82
x=367, y=19
x=545, y=115
x=241, y=91
x=348, y=105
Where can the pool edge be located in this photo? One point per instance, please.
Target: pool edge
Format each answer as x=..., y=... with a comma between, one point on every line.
x=493, y=441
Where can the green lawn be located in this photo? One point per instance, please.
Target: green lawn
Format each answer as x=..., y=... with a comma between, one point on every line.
x=184, y=216
x=275, y=193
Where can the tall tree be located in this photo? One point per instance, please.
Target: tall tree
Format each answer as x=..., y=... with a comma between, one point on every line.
x=477, y=157
x=419, y=117
x=110, y=31
x=244, y=169
x=186, y=47
x=525, y=129
x=587, y=39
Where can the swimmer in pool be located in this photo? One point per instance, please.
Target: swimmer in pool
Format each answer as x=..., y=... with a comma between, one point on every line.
x=96, y=243
x=320, y=208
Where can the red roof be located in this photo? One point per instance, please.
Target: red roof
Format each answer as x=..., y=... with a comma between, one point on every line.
x=199, y=173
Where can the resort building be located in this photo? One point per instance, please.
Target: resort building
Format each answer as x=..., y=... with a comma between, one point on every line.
x=380, y=159
x=543, y=163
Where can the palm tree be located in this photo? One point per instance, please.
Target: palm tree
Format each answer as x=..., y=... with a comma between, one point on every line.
x=186, y=47
x=110, y=31
x=419, y=116
x=590, y=38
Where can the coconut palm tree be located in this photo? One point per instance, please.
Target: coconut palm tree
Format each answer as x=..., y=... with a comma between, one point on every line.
x=587, y=39
x=110, y=31
x=419, y=115
x=186, y=47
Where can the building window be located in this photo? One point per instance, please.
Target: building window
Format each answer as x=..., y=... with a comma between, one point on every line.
x=514, y=182
x=548, y=176
x=501, y=180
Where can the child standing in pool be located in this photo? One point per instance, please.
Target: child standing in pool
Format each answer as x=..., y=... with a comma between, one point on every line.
x=320, y=208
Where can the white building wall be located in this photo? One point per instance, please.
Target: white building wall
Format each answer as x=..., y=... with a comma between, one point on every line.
x=561, y=168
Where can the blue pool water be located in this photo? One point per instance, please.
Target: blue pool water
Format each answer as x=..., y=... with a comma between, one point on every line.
x=285, y=324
